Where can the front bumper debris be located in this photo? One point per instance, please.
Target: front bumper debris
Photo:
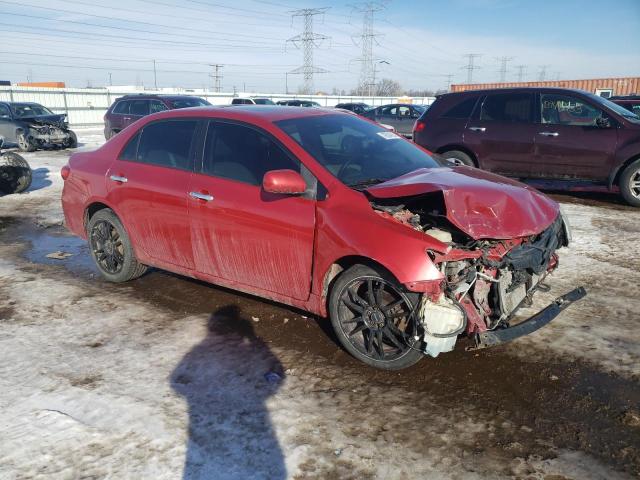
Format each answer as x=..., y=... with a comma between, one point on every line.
x=491, y=338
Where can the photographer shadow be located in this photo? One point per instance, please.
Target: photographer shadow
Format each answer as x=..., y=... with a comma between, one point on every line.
x=224, y=383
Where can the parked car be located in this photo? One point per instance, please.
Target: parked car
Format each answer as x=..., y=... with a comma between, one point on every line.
x=551, y=137
x=358, y=108
x=15, y=173
x=252, y=101
x=324, y=211
x=630, y=102
x=298, y=103
x=131, y=108
x=401, y=116
x=31, y=126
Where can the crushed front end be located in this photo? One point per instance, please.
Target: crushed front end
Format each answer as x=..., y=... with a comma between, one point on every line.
x=51, y=130
x=484, y=281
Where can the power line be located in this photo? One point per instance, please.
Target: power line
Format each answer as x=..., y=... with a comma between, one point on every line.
x=367, y=39
x=217, y=76
x=521, y=69
x=308, y=40
x=503, y=67
x=471, y=66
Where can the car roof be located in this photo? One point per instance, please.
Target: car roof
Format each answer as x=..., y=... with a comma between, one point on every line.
x=485, y=91
x=257, y=113
x=143, y=96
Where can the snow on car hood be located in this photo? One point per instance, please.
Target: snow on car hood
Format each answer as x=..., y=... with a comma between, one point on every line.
x=481, y=204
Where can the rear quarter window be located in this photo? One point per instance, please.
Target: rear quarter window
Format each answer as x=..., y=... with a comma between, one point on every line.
x=462, y=109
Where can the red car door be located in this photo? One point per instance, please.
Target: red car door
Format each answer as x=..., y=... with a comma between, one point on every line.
x=573, y=139
x=241, y=234
x=149, y=186
x=500, y=134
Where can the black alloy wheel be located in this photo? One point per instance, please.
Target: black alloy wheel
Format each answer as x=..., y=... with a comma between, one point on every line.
x=107, y=247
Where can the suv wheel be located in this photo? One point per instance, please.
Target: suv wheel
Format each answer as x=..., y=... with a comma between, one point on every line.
x=25, y=144
x=458, y=157
x=111, y=248
x=630, y=184
x=15, y=173
x=374, y=318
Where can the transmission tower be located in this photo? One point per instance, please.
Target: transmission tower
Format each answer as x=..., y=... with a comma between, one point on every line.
x=449, y=77
x=367, y=39
x=471, y=66
x=521, y=70
x=217, y=76
x=503, y=67
x=308, y=41
x=542, y=75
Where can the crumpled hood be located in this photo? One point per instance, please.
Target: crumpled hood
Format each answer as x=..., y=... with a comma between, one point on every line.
x=56, y=120
x=481, y=204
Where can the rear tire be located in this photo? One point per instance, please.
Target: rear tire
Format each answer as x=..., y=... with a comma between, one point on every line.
x=459, y=157
x=111, y=248
x=630, y=184
x=15, y=173
x=370, y=313
x=72, y=141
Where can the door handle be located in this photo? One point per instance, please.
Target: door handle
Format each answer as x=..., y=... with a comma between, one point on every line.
x=119, y=179
x=548, y=134
x=477, y=129
x=201, y=196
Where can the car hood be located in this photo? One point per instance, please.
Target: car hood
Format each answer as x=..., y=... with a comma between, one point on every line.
x=56, y=120
x=481, y=204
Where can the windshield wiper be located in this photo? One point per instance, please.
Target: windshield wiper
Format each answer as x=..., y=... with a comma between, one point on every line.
x=367, y=183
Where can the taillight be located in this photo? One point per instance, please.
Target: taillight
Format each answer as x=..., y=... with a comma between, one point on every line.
x=419, y=126
x=64, y=173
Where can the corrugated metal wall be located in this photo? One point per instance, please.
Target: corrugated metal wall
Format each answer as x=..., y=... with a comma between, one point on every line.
x=86, y=107
x=619, y=86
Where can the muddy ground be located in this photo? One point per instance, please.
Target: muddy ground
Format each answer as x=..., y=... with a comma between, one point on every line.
x=164, y=377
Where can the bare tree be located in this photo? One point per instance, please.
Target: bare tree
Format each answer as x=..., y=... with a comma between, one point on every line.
x=388, y=88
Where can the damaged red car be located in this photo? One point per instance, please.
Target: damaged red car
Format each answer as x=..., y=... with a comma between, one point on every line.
x=327, y=212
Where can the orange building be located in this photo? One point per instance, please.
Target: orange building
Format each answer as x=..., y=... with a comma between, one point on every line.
x=605, y=87
x=42, y=84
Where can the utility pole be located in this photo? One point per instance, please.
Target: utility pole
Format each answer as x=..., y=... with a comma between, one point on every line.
x=375, y=70
x=155, y=76
x=542, y=75
x=471, y=66
x=503, y=67
x=308, y=40
x=367, y=38
x=521, y=69
x=217, y=76
x=449, y=78
x=110, y=82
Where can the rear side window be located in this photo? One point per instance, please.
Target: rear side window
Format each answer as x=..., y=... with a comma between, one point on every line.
x=243, y=154
x=139, y=107
x=167, y=143
x=129, y=152
x=508, y=107
x=121, y=107
x=461, y=109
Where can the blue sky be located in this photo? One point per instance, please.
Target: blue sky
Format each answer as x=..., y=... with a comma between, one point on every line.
x=82, y=42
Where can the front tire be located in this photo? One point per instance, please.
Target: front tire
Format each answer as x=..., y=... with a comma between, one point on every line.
x=25, y=144
x=111, y=248
x=373, y=317
x=630, y=184
x=72, y=141
x=459, y=157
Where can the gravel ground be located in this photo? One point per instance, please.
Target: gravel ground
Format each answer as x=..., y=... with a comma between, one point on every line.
x=164, y=377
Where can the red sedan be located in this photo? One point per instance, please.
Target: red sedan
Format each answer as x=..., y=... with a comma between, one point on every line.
x=325, y=211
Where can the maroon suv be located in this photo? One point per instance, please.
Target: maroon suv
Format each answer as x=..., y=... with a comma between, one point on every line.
x=130, y=108
x=550, y=137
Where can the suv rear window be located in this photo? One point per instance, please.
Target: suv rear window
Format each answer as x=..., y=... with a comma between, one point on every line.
x=508, y=107
x=461, y=109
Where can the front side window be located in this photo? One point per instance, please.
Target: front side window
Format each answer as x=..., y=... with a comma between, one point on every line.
x=139, y=107
x=167, y=143
x=157, y=106
x=390, y=111
x=567, y=110
x=263, y=101
x=240, y=153
x=355, y=151
x=404, y=111
x=508, y=108
x=4, y=112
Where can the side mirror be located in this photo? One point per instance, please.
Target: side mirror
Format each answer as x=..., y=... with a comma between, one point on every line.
x=285, y=182
x=603, y=122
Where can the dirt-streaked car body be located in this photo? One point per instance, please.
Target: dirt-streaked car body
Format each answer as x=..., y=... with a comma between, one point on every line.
x=324, y=211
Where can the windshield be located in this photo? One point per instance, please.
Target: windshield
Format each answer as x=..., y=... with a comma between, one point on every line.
x=29, y=110
x=620, y=110
x=357, y=152
x=263, y=101
x=189, y=102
